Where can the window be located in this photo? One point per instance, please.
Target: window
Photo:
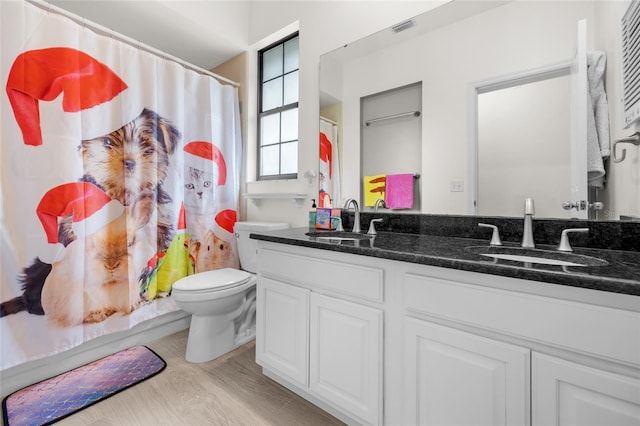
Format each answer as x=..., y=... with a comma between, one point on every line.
x=278, y=110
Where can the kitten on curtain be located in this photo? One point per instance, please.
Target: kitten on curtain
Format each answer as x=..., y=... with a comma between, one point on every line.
x=207, y=249
x=97, y=277
x=130, y=165
x=199, y=191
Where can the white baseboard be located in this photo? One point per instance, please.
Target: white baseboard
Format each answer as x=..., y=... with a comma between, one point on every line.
x=28, y=373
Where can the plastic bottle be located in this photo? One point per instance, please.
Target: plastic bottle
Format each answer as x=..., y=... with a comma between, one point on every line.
x=312, y=214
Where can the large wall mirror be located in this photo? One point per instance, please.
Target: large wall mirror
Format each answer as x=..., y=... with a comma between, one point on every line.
x=467, y=166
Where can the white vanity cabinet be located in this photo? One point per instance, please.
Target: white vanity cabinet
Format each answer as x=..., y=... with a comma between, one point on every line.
x=283, y=327
x=379, y=341
x=319, y=330
x=454, y=377
x=490, y=350
x=345, y=355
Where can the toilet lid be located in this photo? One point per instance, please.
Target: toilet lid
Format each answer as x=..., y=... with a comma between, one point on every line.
x=218, y=279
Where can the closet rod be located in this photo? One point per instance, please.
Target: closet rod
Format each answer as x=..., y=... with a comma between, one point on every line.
x=389, y=117
x=123, y=38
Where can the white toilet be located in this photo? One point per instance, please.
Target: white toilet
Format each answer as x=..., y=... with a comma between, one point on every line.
x=222, y=302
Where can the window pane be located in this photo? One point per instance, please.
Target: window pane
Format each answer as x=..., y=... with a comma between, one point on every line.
x=289, y=125
x=272, y=63
x=291, y=55
x=270, y=129
x=279, y=91
x=289, y=157
x=269, y=160
x=272, y=94
x=291, y=88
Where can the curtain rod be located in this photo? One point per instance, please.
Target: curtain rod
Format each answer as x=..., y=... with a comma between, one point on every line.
x=328, y=120
x=42, y=4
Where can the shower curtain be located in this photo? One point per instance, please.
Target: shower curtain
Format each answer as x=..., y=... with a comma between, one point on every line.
x=119, y=175
x=329, y=193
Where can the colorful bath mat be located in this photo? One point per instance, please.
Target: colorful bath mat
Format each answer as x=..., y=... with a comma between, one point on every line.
x=58, y=397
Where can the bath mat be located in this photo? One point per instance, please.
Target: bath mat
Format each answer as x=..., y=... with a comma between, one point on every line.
x=53, y=399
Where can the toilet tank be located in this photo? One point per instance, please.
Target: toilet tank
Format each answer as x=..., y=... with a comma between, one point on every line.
x=248, y=248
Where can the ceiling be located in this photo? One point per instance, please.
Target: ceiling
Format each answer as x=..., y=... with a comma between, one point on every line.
x=207, y=33
x=202, y=33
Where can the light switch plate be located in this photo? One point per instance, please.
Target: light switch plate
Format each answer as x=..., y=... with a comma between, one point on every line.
x=456, y=186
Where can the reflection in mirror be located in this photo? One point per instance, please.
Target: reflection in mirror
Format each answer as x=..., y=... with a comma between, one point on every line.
x=453, y=46
x=329, y=173
x=391, y=133
x=523, y=150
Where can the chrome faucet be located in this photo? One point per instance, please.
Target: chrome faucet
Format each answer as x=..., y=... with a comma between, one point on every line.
x=527, y=234
x=564, y=238
x=379, y=201
x=356, y=220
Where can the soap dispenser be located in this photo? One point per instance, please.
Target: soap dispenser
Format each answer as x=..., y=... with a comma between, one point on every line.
x=312, y=214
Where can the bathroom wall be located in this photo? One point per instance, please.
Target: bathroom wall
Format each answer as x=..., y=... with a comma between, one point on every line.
x=323, y=26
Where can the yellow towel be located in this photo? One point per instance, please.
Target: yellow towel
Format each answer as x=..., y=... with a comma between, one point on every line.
x=374, y=189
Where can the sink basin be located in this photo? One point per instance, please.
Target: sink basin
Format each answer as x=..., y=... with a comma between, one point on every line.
x=338, y=236
x=543, y=257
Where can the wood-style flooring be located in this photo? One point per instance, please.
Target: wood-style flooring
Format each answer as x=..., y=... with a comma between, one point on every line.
x=229, y=390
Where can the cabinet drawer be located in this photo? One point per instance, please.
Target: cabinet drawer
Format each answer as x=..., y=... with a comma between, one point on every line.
x=593, y=330
x=364, y=282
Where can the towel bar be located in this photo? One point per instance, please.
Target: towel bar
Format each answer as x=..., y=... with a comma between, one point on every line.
x=633, y=139
x=389, y=117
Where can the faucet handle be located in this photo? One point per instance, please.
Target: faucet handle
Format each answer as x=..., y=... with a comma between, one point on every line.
x=564, y=238
x=529, y=206
x=495, y=236
x=372, y=226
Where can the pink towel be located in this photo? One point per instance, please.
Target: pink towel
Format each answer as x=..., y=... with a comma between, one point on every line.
x=399, y=193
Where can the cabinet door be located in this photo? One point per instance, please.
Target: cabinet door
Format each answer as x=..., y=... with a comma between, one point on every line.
x=566, y=393
x=282, y=329
x=453, y=377
x=346, y=356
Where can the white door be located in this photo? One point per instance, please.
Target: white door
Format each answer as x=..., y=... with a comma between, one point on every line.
x=566, y=393
x=579, y=105
x=282, y=329
x=456, y=378
x=494, y=166
x=346, y=356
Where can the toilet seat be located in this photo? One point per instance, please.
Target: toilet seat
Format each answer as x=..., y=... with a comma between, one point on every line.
x=212, y=281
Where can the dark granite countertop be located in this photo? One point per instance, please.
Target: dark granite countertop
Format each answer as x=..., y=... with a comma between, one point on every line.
x=621, y=274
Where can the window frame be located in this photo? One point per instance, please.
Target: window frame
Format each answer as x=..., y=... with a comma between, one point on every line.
x=277, y=110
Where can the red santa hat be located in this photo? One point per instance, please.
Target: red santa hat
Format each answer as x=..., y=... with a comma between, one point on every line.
x=200, y=154
x=326, y=152
x=91, y=209
x=225, y=221
x=182, y=220
x=45, y=73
